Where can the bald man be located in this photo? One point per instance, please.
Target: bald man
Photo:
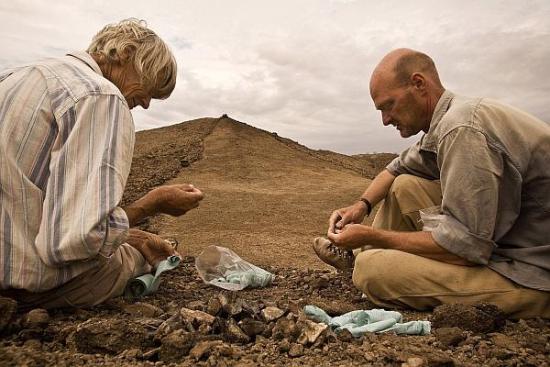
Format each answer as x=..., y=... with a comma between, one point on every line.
x=482, y=166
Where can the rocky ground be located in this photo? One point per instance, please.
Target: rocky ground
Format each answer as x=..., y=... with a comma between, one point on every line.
x=189, y=323
x=266, y=197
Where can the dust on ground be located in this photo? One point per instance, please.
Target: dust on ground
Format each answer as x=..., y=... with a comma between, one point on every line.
x=266, y=198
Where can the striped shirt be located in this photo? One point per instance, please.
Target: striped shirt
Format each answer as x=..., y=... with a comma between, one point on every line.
x=66, y=144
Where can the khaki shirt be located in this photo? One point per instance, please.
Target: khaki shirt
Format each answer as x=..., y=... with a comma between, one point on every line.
x=493, y=161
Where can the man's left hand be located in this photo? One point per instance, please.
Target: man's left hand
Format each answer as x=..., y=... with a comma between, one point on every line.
x=153, y=248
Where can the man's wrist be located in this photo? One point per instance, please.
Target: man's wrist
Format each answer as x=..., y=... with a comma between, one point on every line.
x=368, y=205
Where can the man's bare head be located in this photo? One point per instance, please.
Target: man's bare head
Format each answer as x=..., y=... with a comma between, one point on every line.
x=399, y=65
x=405, y=87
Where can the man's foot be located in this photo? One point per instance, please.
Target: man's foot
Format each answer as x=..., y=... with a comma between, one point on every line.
x=333, y=255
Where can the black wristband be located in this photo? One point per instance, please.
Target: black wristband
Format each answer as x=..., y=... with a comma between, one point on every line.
x=368, y=204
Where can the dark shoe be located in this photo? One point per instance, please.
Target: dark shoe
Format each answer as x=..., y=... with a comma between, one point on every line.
x=333, y=255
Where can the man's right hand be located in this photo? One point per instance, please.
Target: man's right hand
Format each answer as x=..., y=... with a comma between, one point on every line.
x=353, y=214
x=174, y=200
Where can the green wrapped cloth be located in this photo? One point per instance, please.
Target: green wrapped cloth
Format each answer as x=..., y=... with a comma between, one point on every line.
x=149, y=283
x=360, y=322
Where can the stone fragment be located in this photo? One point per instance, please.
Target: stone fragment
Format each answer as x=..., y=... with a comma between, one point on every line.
x=214, y=306
x=504, y=341
x=272, y=313
x=450, y=336
x=172, y=324
x=296, y=350
x=479, y=318
x=197, y=305
x=8, y=308
x=345, y=335
x=285, y=328
x=284, y=346
x=319, y=283
x=37, y=318
x=204, y=349
x=110, y=336
x=252, y=327
x=415, y=362
x=231, y=304
x=311, y=332
x=194, y=319
x=234, y=334
x=142, y=309
x=176, y=346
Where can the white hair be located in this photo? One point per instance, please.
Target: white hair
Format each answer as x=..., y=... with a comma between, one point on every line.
x=131, y=41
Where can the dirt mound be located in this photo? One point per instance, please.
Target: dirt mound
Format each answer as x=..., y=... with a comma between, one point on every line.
x=266, y=196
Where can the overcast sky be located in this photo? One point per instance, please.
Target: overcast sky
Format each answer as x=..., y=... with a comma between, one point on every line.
x=301, y=68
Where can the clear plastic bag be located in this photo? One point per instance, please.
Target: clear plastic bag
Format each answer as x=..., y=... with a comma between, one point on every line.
x=223, y=268
x=430, y=217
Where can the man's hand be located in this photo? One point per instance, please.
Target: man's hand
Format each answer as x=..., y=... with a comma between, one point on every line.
x=353, y=214
x=351, y=237
x=153, y=248
x=175, y=200
x=171, y=199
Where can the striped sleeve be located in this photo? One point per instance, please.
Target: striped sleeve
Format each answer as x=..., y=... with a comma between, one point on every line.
x=89, y=166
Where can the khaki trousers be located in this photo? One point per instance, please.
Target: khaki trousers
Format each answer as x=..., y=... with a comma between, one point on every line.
x=391, y=278
x=90, y=288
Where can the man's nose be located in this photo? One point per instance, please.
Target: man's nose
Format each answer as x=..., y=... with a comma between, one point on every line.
x=145, y=103
x=386, y=119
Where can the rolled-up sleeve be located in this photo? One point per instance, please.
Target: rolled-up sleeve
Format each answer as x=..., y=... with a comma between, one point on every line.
x=89, y=166
x=471, y=171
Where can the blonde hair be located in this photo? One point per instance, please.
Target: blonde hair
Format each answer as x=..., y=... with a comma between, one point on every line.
x=131, y=41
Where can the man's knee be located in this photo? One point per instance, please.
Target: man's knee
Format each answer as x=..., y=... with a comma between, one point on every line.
x=374, y=271
x=405, y=186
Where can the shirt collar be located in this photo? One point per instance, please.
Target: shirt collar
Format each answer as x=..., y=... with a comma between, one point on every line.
x=87, y=59
x=429, y=140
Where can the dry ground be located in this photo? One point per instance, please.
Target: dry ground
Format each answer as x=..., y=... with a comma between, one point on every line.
x=266, y=198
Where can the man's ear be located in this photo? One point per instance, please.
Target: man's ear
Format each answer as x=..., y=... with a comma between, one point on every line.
x=418, y=81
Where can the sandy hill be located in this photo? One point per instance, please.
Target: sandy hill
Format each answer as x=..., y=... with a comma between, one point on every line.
x=267, y=197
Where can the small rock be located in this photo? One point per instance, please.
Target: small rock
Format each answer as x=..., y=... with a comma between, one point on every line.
x=272, y=313
x=176, y=346
x=194, y=319
x=504, y=341
x=479, y=318
x=284, y=346
x=203, y=349
x=345, y=335
x=37, y=318
x=110, y=336
x=310, y=332
x=285, y=328
x=142, y=309
x=234, y=334
x=214, y=306
x=449, y=336
x=134, y=353
x=296, y=350
x=252, y=327
x=231, y=304
x=33, y=343
x=414, y=362
x=319, y=283
x=8, y=308
x=196, y=305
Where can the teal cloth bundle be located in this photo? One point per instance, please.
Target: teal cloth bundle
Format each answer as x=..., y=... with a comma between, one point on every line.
x=149, y=283
x=360, y=322
x=251, y=278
